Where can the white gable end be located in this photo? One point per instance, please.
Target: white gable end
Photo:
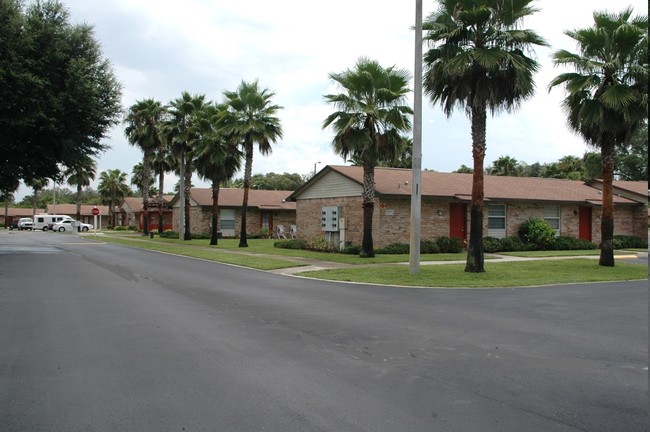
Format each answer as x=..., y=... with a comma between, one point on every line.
x=331, y=185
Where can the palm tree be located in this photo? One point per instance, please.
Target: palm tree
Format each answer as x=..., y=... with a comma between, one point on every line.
x=505, y=166
x=37, y=185
x=217, y=158
x=80, y=175
x=607, y=95
x=143, y=121
x=112, y=188
x=178, y=133
x=371, y=114
x=138, y=180
x=163, y=162
x=249, y=118
x=478, y=62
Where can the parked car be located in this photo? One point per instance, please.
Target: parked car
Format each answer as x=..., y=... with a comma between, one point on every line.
x=14, y=224
x=68, y=225
x=25, y=224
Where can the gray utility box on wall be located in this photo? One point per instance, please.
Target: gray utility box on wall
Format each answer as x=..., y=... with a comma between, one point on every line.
x=330, y=218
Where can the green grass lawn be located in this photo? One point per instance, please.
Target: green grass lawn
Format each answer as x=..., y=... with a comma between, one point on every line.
x=265, y=246
x=211, y=254
x=506, y=274
x=262, y=255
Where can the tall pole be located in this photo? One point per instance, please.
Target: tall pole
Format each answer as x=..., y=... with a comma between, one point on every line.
x=416, y=169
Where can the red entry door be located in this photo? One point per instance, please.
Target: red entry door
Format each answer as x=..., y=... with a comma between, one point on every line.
x=457, y=220
x=584, y=223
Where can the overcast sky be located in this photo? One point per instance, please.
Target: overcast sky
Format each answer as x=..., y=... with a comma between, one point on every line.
x=160, y=48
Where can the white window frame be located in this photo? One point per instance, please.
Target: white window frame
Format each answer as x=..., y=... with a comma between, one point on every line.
x=553, y=216
x=493, y=231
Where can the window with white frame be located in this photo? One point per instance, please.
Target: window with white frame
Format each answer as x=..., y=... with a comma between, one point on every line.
x=552, y=216
x=496, y=220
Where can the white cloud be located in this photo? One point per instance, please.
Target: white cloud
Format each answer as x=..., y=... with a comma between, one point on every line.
x=162, y=47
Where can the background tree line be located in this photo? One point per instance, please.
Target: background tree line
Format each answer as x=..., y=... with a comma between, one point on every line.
x=631, y=164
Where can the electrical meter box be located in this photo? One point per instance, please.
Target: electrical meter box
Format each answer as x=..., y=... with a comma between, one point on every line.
x=330, y=218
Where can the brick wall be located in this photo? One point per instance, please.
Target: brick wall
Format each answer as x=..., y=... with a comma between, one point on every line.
x=201, y=217
x=391, y=219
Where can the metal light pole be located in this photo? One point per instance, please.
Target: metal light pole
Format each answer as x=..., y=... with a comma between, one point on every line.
x=416, y=169
x=315, y=167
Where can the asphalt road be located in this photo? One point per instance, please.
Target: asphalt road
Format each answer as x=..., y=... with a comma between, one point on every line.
x=98, y=337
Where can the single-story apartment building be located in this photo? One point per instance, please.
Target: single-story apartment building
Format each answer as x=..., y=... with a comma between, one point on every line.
x=266, y=209
x=131, y=213
x=9, y=214
x=330, y=205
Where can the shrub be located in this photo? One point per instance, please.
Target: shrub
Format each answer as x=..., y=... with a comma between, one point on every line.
x=290, y=244
x=121, y=228
x=394, y=249
x=629, y=242
x=449, y=245
x=537, y=232
x=429, y=247
x=491, y=245
x=169, y=234
x=200, y=236
x=571, y=243
x=351, y=249
x=320, y=244
x=513, y=244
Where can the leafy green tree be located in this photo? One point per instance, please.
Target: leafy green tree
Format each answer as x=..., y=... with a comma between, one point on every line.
x=505, y=166
x=181, y=138
x=143, y=123
x=113, y=188
x=80, y=175
x=464, y=169
x=371, y=113
x=633, y=157
x=607, y=95
x=59, y=95
x=250, y=118
x=533, y=170
x=270, y=181
x=217, y=158
x=478, y=62
x=592, y=166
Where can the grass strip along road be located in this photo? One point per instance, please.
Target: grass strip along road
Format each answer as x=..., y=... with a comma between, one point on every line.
x=390, y=269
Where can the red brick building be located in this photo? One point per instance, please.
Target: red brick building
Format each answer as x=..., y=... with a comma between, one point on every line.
x=266, y=209
x=572, y=208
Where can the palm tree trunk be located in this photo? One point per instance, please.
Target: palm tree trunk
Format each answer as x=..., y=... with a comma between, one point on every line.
x=607, y=217
x=111, y=212
x=78, y=199
x=146, y=173
x=248, y=171
x=188, y=186
x=367, y=246
x=161, y=185
x=33, y=203
x=214, y=239
x=181, y=197
x=475, y=259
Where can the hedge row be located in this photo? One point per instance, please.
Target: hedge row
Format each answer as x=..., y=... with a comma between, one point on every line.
x=516, y=244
